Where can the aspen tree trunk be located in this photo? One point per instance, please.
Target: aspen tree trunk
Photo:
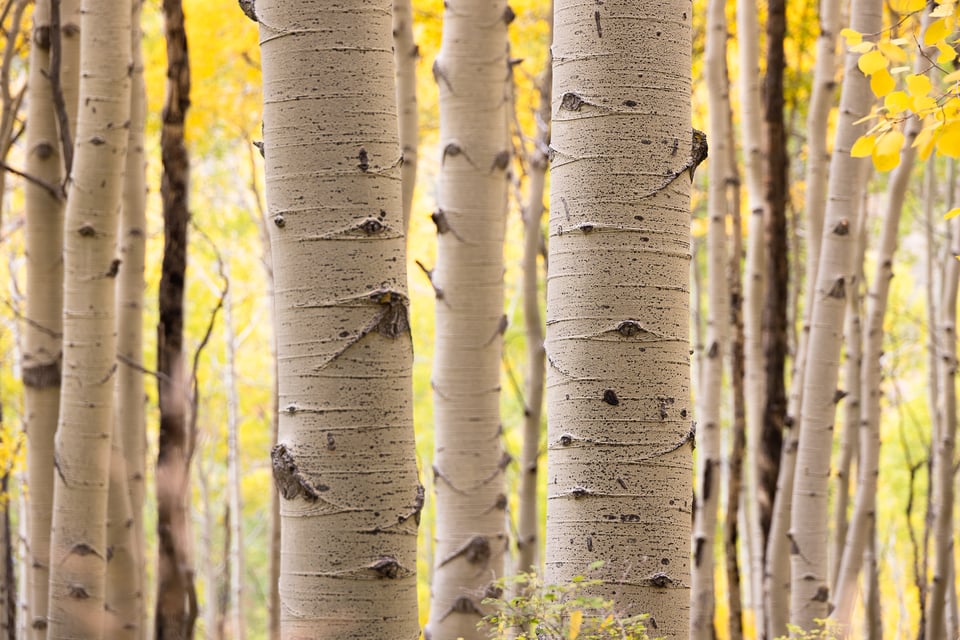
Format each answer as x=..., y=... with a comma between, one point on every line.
x=470, y=536
x=344, y=464
x=810, y=592
x=738, y=439
x=208, y=568
x=777, y=566
x=943, y=449
x=406, y=55
x=619, y=436
x=175, y=605
x=852, y=368
x=131, y=398
x=78, y=549
x=776, y=298
x=124, y=602
x=871, y=607
x=42, y=338
x=234, y=492
x=707, y=497
x=863, y=520
x=528, y=523
x=748, y=38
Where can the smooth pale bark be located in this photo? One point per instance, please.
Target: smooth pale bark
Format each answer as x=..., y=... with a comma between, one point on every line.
x=344, y=464
x=619, y=426
x=852, y=371
x=406, y=56
x=470, y=539
x=748, y=38
x=872, y=611
x=236, y=604
x=528, y=522
x=42, y=338
x=863, y=519
x=810, y=592
x=942, y=468
x=207, y=557
x=176, y=597
x=131, y=395
x=707, y=497
x=738, y=436
x=78, y=548
x=124, y=601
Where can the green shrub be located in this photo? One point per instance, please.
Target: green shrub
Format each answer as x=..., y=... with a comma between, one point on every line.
x=531, y=610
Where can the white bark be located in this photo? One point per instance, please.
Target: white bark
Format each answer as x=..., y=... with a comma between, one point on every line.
x=78, y=550
x=344, y=463
x=810, y=592
x=234, y=489
x=618, y=303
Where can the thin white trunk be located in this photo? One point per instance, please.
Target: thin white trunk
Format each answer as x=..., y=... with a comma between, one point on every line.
x=707, y=497
x=751, y=117
x=234, y=489
x=406, y=56
x=810, y=592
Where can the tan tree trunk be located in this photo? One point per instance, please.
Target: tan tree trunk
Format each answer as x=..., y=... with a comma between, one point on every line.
x=124, y=601
x=619, y=427
x=78, y=551
x=236, y=552
x=344, y=464
x=406, y=56
x=175, y=609
x=752, y=132
x=470, y=536
x=709, y=394
x=810, y=590
x=42, y=338
x=131, y=398
x=528, y=522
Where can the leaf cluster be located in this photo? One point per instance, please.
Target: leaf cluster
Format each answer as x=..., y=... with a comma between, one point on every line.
x=533, y=610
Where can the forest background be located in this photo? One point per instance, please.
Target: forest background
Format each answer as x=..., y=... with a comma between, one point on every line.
x=226, y=246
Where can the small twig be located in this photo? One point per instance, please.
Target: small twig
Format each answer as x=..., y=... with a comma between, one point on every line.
x=130, y=362
x=33, y=323
x=55, y=192
x=59, y=102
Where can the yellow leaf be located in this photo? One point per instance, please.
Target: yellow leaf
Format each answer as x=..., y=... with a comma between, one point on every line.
x=896, y=102
x=936, y=32
x=922, y=105
x=863, y=47
x=948, y=140
x=953, y=213
x=872, y=62
x=907, y=6
x=918, y=84
x=924, y=143
x=886, y=153
x=852, y=37
x=951, y=77
x=863, y=147
x=607, y=621
x=576, y=619
x=893, y=52
x=947, y=53
x=882, y=83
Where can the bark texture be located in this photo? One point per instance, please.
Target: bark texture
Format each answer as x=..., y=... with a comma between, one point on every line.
x=406, y=56
x=176, y=597
x=470, y=536
x=42, y=338
x=78, y=551
x=711, y=378
x=528, y=523
x=236, y=551
x=344, y=464
x=131, y=397
x=619, y=427
x=810, y=591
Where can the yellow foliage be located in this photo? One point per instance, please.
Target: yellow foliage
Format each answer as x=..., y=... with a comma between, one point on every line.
x=948, y=140
x=886, y=151
x=872, y=62
x=907, y=6
x=892, y=51
x=953, y=213
x=882, y=83
x=576, y=621
x=852, y=37
x=918, y=85
x=924, y=142
x=863, y=147
x=896, y=102
x=938, y=30
x=946, y=52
